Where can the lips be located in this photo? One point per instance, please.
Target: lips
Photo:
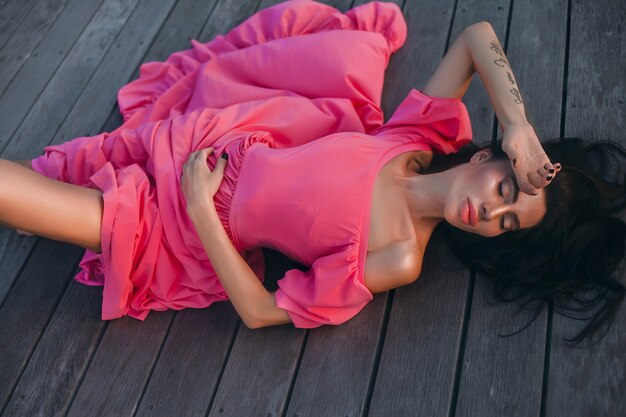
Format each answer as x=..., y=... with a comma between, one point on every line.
x=473, y=213
x=469, y=214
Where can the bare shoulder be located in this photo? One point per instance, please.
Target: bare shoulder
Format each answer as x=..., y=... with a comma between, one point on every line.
x=393, y=265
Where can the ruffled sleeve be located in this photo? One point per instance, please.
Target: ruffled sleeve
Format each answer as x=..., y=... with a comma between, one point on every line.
x=330, y=292
x=442, y=124
x=172, y=81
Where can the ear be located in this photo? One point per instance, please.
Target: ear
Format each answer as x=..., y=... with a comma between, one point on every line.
x=482, y=156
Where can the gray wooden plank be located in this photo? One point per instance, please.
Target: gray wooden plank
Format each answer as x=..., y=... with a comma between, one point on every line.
x=333, y=377
x=341, y=5
x=61, y=92
x=596, y=107
x=187, y=373
x=121, y=366
x=479, y=107
x=585, y=382
x=259, y=371
x=184, y=23
x=417, y=365
x=13, y=12
x=503, y=376
x=28, y=308
x=114, y=71
x=27, y=84
x=14, y=250
x=413, y=64
x=55, y=369
x=360, y=2
x=227, y=16
x=26, y=37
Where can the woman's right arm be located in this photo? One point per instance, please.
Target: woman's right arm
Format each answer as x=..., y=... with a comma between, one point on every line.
x=477, y=49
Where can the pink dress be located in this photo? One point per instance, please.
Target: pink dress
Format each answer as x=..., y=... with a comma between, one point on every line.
x=292, y=95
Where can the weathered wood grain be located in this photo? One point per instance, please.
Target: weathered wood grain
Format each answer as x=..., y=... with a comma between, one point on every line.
x=360, y=2
x=417, y=365
x=187, y=373
x=333, y=377
x=121, y=366
x=52, y=106
x=596, y=92
x=26, y=37
x=592, y=381
x=100, y=94
x=14, y=250
x=27, y=84
x=342, y=5
x=54, y=371
x=259, y=372
x=413, y=64
x=501, y=376
x=13, y=12
x=28, y=307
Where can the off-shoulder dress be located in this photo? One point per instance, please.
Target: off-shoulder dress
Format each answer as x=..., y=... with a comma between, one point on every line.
x=293, y=96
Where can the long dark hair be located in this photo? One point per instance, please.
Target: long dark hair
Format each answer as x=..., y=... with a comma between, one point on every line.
x=571, y=258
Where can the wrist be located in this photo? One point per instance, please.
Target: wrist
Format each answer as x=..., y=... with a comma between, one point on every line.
x=519, y=123
x=202, y=211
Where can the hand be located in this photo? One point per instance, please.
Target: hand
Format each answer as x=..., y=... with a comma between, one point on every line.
x=199, y=184
x=531, y=165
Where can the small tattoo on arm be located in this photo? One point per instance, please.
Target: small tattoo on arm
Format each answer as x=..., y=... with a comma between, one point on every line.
x=501, y=62
x=510, y=77
x=517, y=95
x=495, y=47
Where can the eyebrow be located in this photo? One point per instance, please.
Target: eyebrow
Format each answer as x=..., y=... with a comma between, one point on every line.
x=515, y=197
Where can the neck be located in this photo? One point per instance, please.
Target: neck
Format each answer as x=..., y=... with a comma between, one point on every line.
x=427, y=195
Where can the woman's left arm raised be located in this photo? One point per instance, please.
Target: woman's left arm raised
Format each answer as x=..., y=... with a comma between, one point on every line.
x=477, y=49
x=255, y=305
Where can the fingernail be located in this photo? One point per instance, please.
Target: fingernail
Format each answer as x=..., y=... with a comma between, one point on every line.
x=551, y=170
x=549, y=177
x=225, y=156
x=557, y=165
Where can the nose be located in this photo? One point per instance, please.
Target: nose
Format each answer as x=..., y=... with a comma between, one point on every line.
x=492, y=211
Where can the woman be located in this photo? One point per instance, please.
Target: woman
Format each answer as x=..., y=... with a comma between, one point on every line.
x=308, y=168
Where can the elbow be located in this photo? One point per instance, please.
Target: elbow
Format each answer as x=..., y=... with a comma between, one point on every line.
x=253, y=324
x=482, y=25
x=479, y=27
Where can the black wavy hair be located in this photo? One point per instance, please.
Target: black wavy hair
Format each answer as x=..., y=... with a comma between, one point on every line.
x=574, y=257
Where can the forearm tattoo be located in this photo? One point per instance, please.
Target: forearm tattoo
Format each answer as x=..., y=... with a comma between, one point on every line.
x=502, y=62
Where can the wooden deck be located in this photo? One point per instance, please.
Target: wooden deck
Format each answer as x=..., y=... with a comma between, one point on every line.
x=429, y=349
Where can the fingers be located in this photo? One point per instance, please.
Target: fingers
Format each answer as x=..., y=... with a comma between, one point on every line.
x=538, y=179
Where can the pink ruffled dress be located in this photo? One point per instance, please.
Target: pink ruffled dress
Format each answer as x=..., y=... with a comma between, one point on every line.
x=293, y=96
